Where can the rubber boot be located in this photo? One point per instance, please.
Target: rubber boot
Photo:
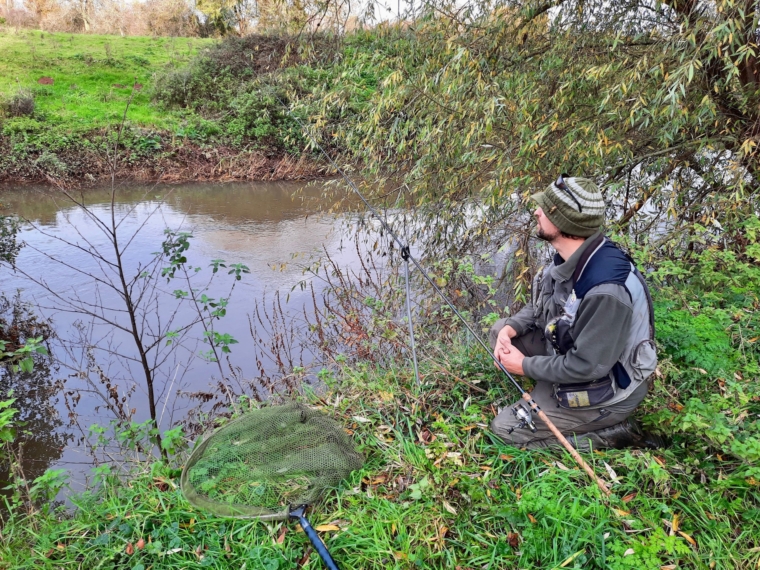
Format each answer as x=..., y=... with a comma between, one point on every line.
x=629, y=433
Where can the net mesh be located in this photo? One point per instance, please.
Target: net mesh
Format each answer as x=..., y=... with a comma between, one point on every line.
x=267, y=461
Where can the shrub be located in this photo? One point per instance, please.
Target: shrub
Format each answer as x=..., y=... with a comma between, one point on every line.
x=19, y=105
x=180, y=88
x=216, y=74
x=49, y=163
x=707, y=321
x=259, y=114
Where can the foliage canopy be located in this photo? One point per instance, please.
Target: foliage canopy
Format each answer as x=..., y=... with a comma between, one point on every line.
x=658, y=101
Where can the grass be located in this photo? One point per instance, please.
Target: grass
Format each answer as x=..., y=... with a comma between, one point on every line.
x=70, y=128
x=436, y=491
x=85, y=69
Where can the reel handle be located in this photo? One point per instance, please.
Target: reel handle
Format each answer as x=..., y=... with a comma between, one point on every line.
x=300, y=514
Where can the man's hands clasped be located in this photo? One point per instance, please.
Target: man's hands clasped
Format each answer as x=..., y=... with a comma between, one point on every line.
x=506, y=353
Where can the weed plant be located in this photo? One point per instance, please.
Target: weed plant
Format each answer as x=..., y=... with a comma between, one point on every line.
x=20, y=104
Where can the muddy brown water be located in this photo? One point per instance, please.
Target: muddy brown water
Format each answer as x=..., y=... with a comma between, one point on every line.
x=275, y=229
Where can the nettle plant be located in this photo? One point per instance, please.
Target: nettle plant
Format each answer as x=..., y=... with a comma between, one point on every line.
x=706, y=310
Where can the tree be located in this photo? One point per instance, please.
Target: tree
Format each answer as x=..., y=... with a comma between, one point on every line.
x=483, y=104
x=289, y=16
x=83, y=11
x=42, y=10
x=168, y=17
x=230, y=14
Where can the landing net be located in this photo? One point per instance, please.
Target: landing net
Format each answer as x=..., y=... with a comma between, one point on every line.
x=269, y=460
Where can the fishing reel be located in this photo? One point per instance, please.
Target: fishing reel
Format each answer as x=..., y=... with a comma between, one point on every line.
x=526, y=421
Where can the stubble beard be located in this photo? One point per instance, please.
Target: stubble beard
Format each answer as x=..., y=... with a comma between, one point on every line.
x=546, y=235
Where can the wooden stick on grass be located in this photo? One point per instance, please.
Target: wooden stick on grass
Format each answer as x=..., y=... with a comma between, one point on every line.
x=566, y=444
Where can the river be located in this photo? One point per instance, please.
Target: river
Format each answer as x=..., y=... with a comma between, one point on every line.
x=275, y=229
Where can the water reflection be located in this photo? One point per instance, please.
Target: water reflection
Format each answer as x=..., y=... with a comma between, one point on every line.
x=273, y=228
x=40, y=441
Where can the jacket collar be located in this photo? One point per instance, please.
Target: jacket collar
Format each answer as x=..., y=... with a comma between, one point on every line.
x=563, y=270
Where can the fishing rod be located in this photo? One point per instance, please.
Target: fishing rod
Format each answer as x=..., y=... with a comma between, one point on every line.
x=518, y=410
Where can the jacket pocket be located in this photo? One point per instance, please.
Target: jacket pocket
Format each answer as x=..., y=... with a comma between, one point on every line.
x=644, y=359
x=585, y=394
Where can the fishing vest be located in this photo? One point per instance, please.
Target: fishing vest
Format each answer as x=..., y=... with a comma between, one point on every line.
x=603, y=262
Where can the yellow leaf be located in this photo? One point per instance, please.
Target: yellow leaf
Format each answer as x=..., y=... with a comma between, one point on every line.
x=532, y=519
x=621, y=512
x=327, y=528
x=689, y=539
x=448, y=507
x=571, y=558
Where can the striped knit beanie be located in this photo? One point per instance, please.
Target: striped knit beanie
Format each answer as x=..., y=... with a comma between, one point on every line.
x=577, y=210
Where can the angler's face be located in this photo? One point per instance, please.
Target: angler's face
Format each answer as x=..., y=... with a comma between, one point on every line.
x=545, y=229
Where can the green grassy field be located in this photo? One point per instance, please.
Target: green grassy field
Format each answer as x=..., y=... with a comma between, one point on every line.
x=88, y=71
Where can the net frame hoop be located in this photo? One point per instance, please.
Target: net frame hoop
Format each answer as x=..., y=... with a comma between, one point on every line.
x=222, y=509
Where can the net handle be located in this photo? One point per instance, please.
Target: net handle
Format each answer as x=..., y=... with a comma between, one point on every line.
x=300, y=514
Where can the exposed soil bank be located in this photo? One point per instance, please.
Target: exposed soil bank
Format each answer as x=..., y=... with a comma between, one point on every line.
x=188, y=162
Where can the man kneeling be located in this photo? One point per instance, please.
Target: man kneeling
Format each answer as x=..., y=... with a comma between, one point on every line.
x=587, y=336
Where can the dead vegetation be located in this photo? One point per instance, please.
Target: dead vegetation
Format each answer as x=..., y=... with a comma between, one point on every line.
x=21, y=104
x=188, y=162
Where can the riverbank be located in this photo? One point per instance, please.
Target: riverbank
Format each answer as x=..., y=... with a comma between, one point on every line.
x=186, y=162
x=437, y=490
x=181, y=110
